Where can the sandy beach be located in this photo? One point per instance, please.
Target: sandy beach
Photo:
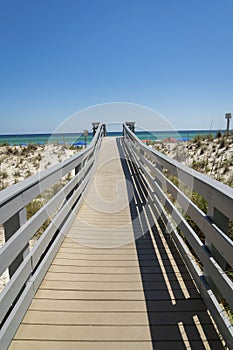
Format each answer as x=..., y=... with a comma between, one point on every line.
x=211, y=156
x=20, y=162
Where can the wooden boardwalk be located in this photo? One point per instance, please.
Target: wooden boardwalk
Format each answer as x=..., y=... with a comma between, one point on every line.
x=108, y=290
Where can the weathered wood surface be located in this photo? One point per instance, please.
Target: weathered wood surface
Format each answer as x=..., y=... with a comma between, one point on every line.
x=106, y=290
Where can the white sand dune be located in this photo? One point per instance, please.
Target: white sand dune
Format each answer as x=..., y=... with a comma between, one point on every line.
x=211, y=157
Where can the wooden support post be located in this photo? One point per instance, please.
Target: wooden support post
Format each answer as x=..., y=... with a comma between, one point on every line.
x=104, y=130
x=222, y=222
x=77, y=169
x=160, y=168
x=131, y=126
x=95, y=126
x=10, y=227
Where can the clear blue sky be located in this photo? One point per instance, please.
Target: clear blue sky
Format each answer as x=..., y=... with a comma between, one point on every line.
x=59, y=56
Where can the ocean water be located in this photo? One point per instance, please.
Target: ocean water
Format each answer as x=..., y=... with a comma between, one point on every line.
x=77, y=138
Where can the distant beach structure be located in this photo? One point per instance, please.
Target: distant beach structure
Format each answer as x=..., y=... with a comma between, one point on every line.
x=169, y=140
x=78, y=138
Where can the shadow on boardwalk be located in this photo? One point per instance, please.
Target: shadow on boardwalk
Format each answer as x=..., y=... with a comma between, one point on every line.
x=176, y=313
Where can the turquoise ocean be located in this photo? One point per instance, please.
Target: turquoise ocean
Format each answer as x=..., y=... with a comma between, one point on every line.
x=78, y=139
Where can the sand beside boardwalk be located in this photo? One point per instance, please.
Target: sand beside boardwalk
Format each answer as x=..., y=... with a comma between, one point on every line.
x=213, y=157
x=20, y=162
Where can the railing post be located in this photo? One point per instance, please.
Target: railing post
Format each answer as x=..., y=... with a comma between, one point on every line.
x=95, y=127
x=104, y=130
x=10, y=227
x=77, y=169
x=131, y=126
x=222, y=222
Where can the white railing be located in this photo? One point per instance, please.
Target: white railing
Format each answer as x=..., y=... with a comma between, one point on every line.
x=170, y=184
x=28, y=267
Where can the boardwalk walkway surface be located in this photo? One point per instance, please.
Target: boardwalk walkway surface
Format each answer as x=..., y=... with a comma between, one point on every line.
x=116, y=282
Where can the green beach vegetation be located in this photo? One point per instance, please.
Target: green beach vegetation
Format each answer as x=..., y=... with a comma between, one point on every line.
x=20, y=162
x=209, y=155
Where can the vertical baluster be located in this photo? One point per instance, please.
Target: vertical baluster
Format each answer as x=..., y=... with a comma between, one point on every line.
x=10, y=227
x=222, y=222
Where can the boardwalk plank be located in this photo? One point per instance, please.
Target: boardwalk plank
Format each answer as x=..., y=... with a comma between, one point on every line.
x=110, y=318
x=106, y=333
x=110, y=286
x=60, y=276
x=58, y=345
x=194, y=305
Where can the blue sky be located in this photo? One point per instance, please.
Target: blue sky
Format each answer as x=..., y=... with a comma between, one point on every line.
x=60, y=56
